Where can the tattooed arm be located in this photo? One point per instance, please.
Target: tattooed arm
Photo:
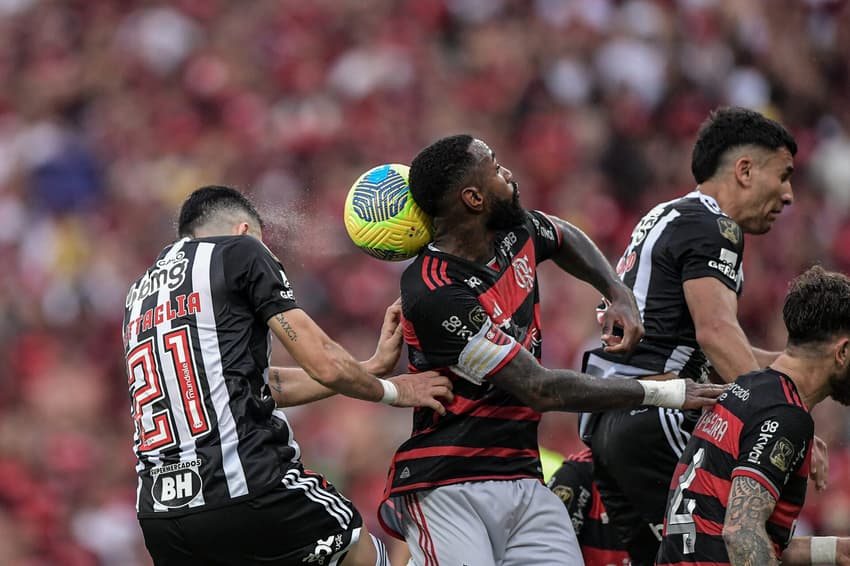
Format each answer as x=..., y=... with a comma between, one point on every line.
x=744, y=529
x=566, y=390
x=328, y=363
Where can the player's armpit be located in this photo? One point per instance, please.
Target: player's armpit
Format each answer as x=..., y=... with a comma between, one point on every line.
x=744, y=528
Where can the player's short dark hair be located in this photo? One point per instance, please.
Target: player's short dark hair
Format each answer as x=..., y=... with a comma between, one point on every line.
x=439, y=169
x=205, y=202
x=732, y=126
x=817, y=306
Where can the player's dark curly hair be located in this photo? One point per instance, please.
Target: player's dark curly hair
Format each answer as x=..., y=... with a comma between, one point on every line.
x=205, y=202
x=817, y=306
x=732, y=126
x=440, y=169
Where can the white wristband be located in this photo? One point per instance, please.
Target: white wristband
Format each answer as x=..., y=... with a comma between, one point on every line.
x=670, y=394
x=823, y=550
x=390, y=392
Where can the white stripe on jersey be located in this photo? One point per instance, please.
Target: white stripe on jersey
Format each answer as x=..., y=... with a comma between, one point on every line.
x=480, y=355
x=290, y=440
x=211, y=356
x=678, y=358
x=644, y=272
x=671, y=424
x=333, y=503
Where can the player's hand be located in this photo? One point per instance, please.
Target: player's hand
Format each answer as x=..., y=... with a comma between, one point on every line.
x=699, y=395
x=426, y=389
x=390, y=343
x=622, y=313
x=819, y=470
x=842, y=551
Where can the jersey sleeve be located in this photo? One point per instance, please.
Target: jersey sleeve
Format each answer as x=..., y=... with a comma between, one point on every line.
x=709, y=246
x=253, y=271
x=774, y=445
x=547, y=236
x=452, y=330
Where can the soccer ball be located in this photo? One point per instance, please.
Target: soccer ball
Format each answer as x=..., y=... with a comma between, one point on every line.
x=381, y=217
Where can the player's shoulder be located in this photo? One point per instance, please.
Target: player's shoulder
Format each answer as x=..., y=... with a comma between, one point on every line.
x=702, y=215
x=242, y=247
x=767, y=388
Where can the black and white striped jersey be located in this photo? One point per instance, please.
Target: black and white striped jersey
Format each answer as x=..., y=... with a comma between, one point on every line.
x=686, y=238
x=197, y=348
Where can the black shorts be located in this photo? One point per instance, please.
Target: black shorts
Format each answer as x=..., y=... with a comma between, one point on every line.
x=303, y=521
x=635, y=452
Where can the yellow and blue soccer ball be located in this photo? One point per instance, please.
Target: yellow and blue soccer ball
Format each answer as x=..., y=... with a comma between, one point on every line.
x=381, y=217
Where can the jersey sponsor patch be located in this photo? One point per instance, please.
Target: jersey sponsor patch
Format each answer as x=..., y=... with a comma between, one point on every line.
x=782, y=454
x=176, y=485
x=726, y=263
x=729, y=229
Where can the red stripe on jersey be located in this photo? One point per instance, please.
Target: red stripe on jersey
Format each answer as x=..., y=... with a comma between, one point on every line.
x=443, y=274
x=788, y=396
x=466, y=452
x=721, y=428
x=593, y=556
x=792, y=389
x=706, y=483
x=784, y=514
x=409, y=333
x=426, y=268
x=507, y=413
x=503, y=299
x=584, y=456
x=752, y=474
x=596, y=506
x=707, y=527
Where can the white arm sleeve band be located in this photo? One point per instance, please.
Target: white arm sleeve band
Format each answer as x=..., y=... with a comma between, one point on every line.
x=670, y=394
x=823, y=550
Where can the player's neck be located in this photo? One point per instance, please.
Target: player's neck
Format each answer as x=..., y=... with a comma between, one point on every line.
x=470, y=242
x=809, y=374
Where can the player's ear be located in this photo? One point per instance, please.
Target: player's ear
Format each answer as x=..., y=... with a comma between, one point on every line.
x=472, y=198
x=744, y=170
x=241, y=229
x=842, y=352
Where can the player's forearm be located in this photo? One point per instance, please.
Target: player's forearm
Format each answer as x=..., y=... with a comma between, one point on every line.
x=728, y=350
x=343, y=374
x=293, y=386
x=567, y=390
x=749, y=547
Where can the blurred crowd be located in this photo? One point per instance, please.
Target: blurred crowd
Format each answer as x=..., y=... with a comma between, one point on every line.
x=111, y=111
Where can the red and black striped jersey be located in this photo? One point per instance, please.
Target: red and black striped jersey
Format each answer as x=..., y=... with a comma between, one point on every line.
x=197, y=348
x=573, y=483
x=467, y=320
x=760, y=429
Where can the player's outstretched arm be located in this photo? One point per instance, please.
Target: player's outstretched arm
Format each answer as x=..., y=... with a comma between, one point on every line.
x=804, y=551
x=543, y=389
x=333, y=367
x=744, y=532
x=579, y=256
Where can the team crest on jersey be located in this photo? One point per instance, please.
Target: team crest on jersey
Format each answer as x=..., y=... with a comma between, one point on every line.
x=478, y=316
x=523, y=272
x=565, y=492
x=782, y=453
x=729, y=229
x=177, y=485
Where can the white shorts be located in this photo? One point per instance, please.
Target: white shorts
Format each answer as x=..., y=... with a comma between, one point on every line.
x=491, y=523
